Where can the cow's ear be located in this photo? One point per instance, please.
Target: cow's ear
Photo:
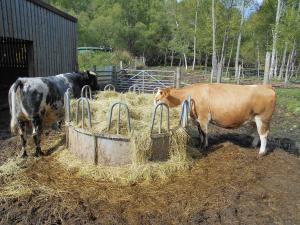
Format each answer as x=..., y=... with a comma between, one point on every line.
x=167, y=91
x=91, y=73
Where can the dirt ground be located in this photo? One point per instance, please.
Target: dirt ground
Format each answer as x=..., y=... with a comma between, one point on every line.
x=228, y=185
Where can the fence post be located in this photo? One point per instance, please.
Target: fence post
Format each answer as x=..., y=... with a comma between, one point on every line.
x=121, y=65
x=178, y=77
x=114, y=76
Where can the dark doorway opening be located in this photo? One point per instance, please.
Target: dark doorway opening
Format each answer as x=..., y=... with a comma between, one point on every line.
x=16, y=60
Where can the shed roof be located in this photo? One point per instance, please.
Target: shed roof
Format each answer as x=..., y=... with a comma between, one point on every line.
x=53, y=9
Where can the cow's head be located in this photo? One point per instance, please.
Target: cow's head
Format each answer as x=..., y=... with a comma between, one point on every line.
x=91, y=79
x=168, y=96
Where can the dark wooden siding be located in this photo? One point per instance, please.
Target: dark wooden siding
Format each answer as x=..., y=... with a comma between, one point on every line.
x=52, y=33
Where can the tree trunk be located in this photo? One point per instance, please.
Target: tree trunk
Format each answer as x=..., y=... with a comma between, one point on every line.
x=292, y=59
x=195, y=33
x=172, y=58
x=237, y=55
x=239, y=74
x=242, y=69
x=200, y=59
x=185, y=61
x=214, y=56
x=221, y=62
x=276, y=65
x=272, y=67
x=165, y=60
x=206, y=59
x=258, y=62
x=228, y=63
x=267, y=68
x=280, y=76
x=287, y=71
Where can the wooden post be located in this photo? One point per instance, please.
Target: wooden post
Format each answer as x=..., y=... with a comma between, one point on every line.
x=267, y=68
x=178, y=77
x=121, y=65
x=114, y=76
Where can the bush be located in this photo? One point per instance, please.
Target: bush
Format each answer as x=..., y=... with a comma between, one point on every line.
x=88, y=60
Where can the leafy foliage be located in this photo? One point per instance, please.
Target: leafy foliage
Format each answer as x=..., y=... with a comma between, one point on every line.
x=158, y=29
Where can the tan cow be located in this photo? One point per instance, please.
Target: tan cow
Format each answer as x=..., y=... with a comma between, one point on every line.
x=226, y=105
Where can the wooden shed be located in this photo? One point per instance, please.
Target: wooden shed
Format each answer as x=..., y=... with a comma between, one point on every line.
x=36, y=39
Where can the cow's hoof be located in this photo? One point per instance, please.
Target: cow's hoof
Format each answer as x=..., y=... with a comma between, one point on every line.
x=23, y=154
x=38, y=153
x=261, y=154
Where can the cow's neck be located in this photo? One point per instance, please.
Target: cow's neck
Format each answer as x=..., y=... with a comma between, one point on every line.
x=177, y=96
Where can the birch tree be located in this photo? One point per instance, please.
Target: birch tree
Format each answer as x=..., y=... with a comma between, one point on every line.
x=195, y=33
x=275, y=33
x=214, y=54
x=237, y=55
x=282, y=66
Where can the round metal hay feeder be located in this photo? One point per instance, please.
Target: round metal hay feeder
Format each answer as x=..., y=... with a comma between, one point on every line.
x=113, y=149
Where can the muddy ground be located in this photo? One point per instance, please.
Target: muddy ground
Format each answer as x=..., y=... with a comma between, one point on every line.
x=228, y=185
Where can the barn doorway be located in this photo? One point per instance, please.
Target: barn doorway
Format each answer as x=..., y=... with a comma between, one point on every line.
x=16, y=60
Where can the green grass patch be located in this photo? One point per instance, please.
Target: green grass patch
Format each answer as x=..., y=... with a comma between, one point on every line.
x=289, y=98
x=88, y=60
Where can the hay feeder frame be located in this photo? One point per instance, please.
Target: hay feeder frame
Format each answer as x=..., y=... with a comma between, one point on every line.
x=112, y=149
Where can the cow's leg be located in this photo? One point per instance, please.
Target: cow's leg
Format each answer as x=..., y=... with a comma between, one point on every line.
x=203, y=124
x=202, y=136
x=22, y=132
x=36, y=134
x=263, y=130
x=254, y=135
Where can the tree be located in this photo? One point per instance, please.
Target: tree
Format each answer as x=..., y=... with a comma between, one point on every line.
x=214, y=54
x=275, y=33
x=237, y=55
x=195, y=33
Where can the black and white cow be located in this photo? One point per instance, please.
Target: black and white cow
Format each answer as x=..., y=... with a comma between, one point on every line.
x=38, y=102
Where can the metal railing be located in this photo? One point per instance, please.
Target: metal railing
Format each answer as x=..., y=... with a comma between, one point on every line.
x=160, y=105
x=86, y=92
x=82, y=100
x=109, y=87
x=119, y=116
x=185, y=111
x=147, y=80
x=134, y=88
x=67, y=105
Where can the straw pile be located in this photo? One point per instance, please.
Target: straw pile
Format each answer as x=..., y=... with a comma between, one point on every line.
x=140, y=110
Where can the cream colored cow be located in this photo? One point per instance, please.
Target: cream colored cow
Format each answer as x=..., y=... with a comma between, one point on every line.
x=226, y=105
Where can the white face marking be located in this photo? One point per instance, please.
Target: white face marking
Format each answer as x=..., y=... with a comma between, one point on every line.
x=158, y=93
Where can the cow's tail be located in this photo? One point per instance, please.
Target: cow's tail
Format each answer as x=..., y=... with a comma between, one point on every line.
x=12, y=105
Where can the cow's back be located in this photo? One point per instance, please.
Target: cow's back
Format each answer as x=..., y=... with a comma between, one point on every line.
x=232, y=105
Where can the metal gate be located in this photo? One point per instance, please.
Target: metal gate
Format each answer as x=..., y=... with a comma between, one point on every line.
x=146, y=80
